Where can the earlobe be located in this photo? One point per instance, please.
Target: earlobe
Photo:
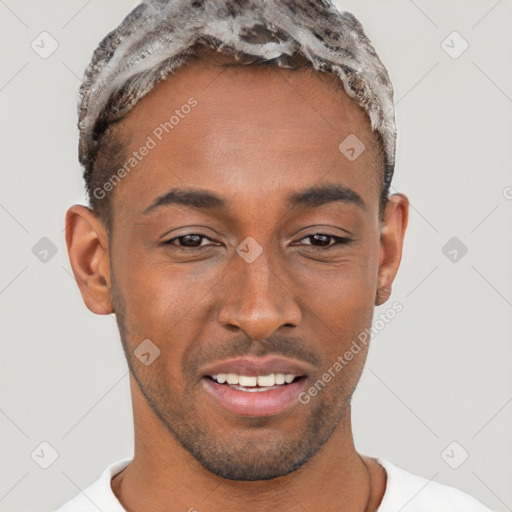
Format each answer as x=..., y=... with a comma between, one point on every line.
x=87, y=244
x=392, y=236
x=382, y=295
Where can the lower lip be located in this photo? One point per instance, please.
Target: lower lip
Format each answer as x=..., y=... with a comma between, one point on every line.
x=255, y=403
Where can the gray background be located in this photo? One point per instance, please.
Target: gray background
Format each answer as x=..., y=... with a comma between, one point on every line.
x=438, y=373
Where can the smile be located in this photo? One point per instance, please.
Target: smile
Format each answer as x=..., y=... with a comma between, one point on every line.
x=252, y=396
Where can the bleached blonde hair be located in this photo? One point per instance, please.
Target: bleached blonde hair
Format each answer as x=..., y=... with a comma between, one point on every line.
x=159, y=36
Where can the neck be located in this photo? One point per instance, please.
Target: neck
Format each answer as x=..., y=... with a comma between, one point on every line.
x=162, y=472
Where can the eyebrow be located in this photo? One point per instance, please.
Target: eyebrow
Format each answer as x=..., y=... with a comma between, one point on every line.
x=308, y=198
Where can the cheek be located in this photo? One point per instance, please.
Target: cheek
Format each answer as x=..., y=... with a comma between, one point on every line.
x=350, y=282
x=341, y=300
x=163, y=302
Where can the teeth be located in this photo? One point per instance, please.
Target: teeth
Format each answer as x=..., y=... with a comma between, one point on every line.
x=280, y=378
x=266, y=380
x=231, y=378
x=248, y=381
x=262, y=381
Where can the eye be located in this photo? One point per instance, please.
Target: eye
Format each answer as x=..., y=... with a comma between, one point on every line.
x=188, y=241
x=324, y=239
x=317, y=241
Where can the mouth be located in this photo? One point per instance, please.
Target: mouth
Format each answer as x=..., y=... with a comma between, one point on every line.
x=255, y=396
x=256, y=386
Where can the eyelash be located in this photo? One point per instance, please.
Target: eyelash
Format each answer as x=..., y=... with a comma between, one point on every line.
x=339, y=240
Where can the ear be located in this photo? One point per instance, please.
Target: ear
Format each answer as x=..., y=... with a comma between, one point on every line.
x=392, y=235
x=87, y=243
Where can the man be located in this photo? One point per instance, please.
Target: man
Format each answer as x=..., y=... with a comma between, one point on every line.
x=238, y=158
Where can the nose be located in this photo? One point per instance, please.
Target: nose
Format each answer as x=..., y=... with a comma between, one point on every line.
x=257, y=299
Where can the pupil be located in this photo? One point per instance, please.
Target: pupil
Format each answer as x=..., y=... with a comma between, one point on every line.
x=188, y=237
x=325, y=238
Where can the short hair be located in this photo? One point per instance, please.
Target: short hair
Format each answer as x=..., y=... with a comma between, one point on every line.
x=159, y=36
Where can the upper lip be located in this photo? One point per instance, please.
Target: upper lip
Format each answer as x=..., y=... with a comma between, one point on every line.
x=256, y=366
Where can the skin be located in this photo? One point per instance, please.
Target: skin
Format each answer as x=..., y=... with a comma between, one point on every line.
x=256, y=136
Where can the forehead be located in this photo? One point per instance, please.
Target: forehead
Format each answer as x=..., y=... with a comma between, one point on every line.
x=248, y=132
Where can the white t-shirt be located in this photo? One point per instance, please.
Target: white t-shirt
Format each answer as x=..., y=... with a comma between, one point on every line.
x=405, y=492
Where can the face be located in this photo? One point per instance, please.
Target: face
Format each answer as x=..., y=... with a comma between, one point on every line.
x=284, y=261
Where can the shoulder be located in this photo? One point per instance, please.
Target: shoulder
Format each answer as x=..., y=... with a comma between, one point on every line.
x=99, y=495
x=406, y=491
